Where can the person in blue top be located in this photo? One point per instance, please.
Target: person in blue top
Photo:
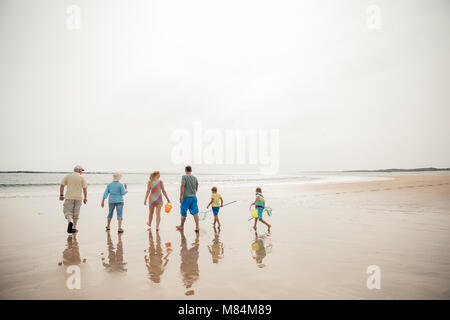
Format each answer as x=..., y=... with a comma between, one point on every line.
x=116, y=191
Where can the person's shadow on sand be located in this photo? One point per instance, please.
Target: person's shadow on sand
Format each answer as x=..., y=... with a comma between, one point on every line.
x=115, y=256
x=189, y=262
x=261, y=246
x=216, y=248
x=156, y=261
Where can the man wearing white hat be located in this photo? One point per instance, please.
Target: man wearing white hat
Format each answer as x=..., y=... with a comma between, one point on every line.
x=76, y=189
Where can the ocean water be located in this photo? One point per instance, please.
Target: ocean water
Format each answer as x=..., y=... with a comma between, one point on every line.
x=40, y=184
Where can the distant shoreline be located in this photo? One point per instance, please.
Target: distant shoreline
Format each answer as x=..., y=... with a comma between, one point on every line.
x=402, y=170
x=359, y=170
x=99, y=172
x=58, y=172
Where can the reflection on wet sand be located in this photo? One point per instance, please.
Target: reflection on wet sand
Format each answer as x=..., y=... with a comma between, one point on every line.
x=189, y=262
x=156, y=261
x=115, y=256
x=71, y=255
x=261, y=246
x=216, y=248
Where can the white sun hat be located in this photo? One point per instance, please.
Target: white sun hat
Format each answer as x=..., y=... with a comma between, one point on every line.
x=117, y=177
x=77, y=168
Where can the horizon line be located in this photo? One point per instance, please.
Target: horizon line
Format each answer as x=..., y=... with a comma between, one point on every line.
x=240, y=172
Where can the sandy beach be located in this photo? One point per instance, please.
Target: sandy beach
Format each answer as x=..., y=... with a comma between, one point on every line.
x=324, y=237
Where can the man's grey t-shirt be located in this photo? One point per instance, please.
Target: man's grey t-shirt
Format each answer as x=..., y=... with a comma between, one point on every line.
x=190, y=185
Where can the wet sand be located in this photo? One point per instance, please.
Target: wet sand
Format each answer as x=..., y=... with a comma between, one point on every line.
x=323, y=239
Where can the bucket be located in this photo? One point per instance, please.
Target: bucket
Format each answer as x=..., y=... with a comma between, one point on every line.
x=168, y=207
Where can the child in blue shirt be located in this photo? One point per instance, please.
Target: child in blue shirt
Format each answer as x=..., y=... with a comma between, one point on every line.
x=260, y=204
x=116, y=191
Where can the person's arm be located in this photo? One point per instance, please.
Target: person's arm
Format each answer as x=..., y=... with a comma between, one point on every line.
x=85, y=190
x=61, y=192
x=252, y=204
x=221, y=202
x=164, y=191
x=105, y=195
x=209, y=203
x=61, y=188
x=196, y=186
x=182, y=191
x=85, y=195
x=123, y=189
x=147, y=193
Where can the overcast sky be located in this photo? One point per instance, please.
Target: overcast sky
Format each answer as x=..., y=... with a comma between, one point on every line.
x=110, y=94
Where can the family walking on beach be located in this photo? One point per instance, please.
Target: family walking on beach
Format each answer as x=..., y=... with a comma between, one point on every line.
x=76, y=192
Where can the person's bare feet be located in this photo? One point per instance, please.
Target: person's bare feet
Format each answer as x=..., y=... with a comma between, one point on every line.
x=254, y=228
x=149, y=224
x=179, y=228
